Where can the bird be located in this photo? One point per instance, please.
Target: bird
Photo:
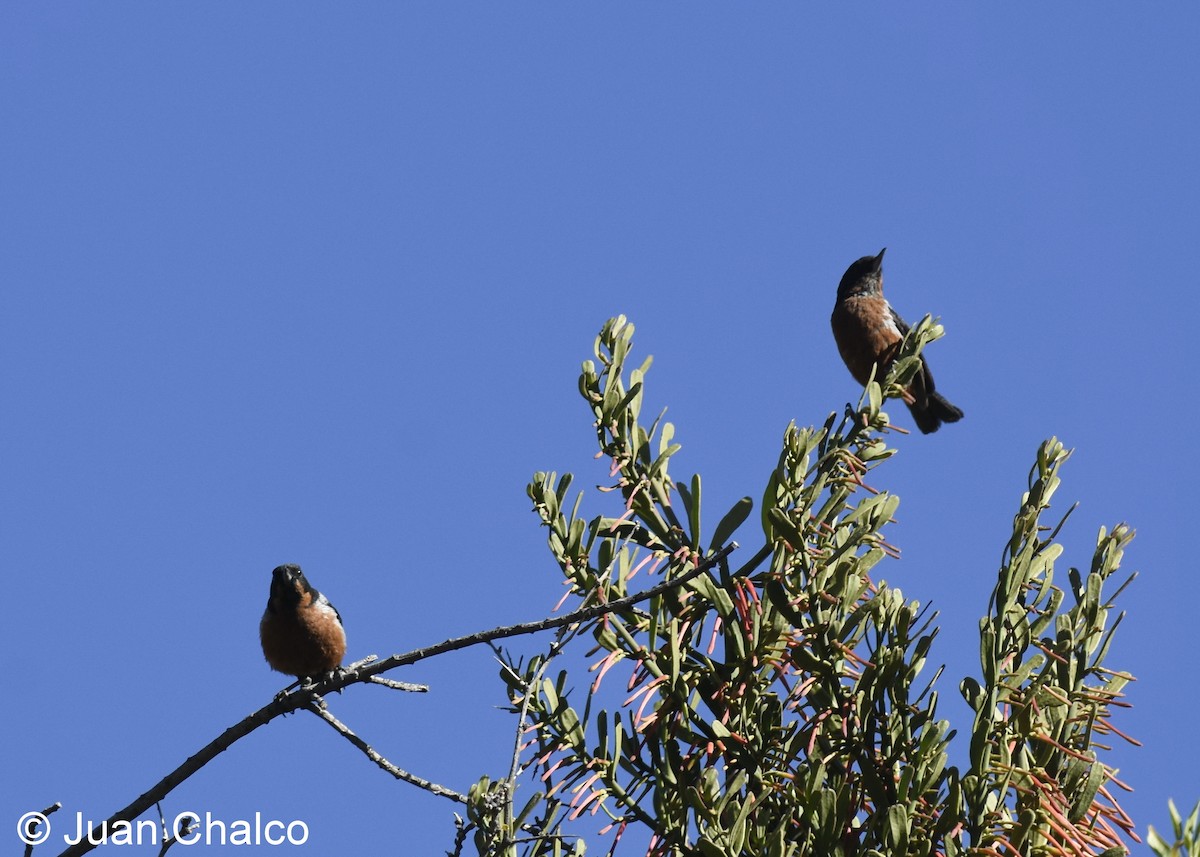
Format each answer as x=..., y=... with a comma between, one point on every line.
x=869, y=332
x=300, y=631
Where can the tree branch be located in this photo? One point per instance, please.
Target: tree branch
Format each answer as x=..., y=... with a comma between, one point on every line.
x=31, y=826
x=337, y=681
x=364, y=672
x=319, y=708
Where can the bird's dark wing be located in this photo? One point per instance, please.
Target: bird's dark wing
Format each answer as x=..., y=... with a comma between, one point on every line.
x=923, y=383
x=924, y=379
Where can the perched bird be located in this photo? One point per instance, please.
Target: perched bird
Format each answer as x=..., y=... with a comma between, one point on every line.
x=868, y=332
x=301, y=632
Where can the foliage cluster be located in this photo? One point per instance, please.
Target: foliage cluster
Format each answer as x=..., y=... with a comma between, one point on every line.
x=778, y=703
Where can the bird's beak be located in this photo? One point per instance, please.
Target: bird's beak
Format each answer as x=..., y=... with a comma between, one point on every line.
x=879, y=259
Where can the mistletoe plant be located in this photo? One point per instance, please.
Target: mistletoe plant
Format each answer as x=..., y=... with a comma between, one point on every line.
x=775, y=701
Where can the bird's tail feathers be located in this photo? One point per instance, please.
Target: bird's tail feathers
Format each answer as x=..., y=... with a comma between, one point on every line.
x=935, y=410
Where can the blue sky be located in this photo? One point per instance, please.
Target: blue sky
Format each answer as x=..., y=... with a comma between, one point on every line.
x=298, y=283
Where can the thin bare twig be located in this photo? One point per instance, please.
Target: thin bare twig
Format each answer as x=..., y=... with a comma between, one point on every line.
x=399, y=685
x=169, y=838
x=461, y=829
x=347, y=677
x=319, y=708
x=564, y=635
x=31, y=826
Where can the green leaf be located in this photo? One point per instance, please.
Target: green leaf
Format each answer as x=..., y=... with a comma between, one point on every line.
x=733, y=519
x=778, y=597
x=1189, y=826
x=704, y=586
x=1157, y=844
x=693, y=511
x=528, y=808
x=551, y=694
x=785, y=528
x=971, y=692
x=664, y=440
x=874, y=397
x=898, y=827
x=1083, y=801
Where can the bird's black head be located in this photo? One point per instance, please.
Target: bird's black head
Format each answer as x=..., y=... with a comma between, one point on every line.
x=289, y=587
x=864, y=277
